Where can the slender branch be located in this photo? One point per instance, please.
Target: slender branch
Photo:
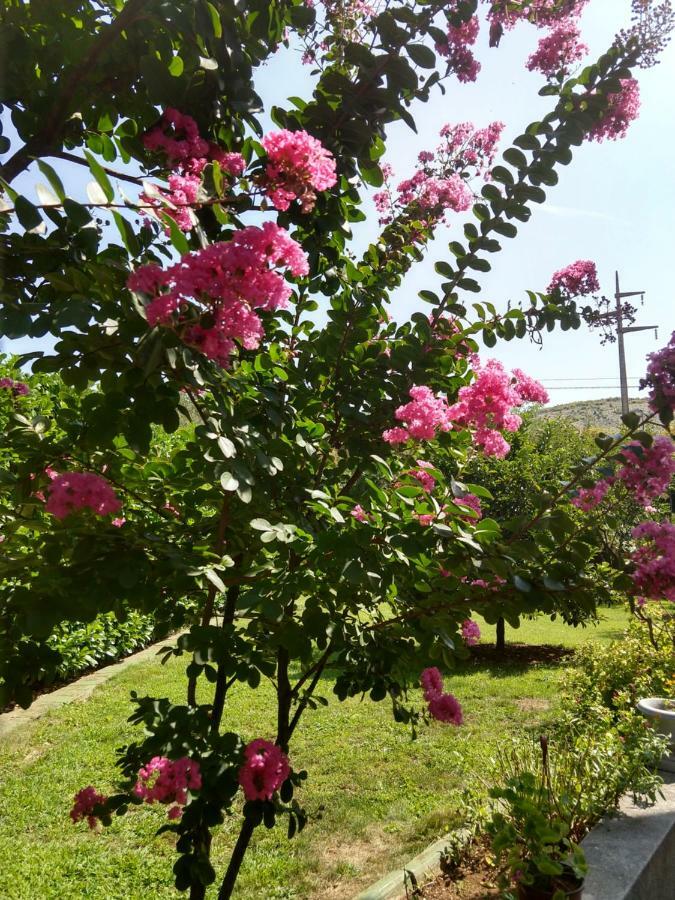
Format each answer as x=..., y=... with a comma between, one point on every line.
x=245, y=834
x=43, y=143
x=121, y=176
x=318, y=671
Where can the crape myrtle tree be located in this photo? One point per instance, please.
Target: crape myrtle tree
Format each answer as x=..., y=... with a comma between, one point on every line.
x=314, y=515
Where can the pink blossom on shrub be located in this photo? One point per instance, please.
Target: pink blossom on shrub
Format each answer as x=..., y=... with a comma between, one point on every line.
x=298, y=166
x=18, y=388
x=226, y=281
x=623, y=108
x=423, y=417
x=427, y=481
x=660, y=379
x=443, y=707
x=474, y=505
x=654, y=573
x=432, y=682
x=165, y=780
x=576, y=280
x=265, y=769
x=486, y=405
x=558, y=50
x=542, y=13
x=529, y=389
x=460, y=59
x=80, y=490
x=446, y=708
x=470, y=632
x=84, y=805
x=647, y=471
x=359, y=513
x=588, y=498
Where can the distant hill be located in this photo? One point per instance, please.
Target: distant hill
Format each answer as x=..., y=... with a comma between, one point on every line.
x=605, y=415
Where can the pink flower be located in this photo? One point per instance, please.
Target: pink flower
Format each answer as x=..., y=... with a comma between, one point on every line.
x=80, y=490
x=359, y=513
x=443, y=707
x=432, y=682
x=654, y=573
x=118, y=522
x=225, y=282
x=427, y=481
x=298, y=166
x=588, y=498
x=474, y=504
x=460, y=59
x=446, y=708
x=470, y=632
x=425, y=518
x=165, y=780
x=423, y=417
x=486, y=405
x=576, y=280
x=647, y=471
x=660, y=379
x=623, y=108
x=265, y=769
x=558, y=50
x=85, y=803
x=18, y=388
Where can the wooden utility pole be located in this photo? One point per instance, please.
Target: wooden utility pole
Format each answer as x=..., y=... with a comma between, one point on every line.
x=620, y=331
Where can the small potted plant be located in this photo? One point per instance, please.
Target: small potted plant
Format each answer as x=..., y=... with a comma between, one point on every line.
x=530, y=832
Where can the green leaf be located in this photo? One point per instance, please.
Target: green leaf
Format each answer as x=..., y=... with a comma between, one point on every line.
x=52, y=178
x=100, y=176
x=422, y=55
x=176, y=67
x=27, y=213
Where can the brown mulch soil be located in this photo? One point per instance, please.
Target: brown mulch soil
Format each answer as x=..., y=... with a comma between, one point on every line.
x=521, y=654
x=474, y=878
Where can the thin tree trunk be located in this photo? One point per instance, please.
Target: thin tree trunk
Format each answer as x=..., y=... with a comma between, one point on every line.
x=500, y=643
x=245, y=834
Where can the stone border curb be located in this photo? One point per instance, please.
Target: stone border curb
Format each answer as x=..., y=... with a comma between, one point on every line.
x=632, y=856
x=80, y=689
x=424, y=866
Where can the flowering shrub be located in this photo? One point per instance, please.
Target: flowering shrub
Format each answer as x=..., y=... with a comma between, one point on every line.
x=262, y=467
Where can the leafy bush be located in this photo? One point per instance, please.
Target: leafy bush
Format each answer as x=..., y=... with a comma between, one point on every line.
x=86, y=645
x=616, y=676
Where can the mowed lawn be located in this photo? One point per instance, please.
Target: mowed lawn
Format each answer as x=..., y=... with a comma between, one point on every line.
x=374, y=797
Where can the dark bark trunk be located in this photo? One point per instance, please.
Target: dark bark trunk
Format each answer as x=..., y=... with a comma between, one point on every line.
x=500, y=643
x=245, y=834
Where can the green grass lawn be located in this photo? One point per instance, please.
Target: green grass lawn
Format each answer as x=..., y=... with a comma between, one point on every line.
x=375, y=798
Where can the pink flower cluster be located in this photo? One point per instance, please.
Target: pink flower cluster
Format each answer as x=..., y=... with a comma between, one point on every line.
x=542, y=13
x=623, y=108
x=80, y=490
x=576, y=280
x=588, y=498
x=177, y=136
x=443, y=707
x=660, y=378
x=654, y=574
x=265, y=769
x=460, y=58
x=165, y=780
x=558, y=50
x=84, y=805
x=427, y=480
x=423, y=417
x=225, y=281
x=470, y=632
x=647, y=471
x=298, y=166
x=359, y=513
x=486, y=405
x=473, y=504
x=440, y=182
x=18, y=388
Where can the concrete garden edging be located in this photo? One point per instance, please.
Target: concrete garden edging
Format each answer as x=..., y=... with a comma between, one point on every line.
x=631, y=856
x=80, y=689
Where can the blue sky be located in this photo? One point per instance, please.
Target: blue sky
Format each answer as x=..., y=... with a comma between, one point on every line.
x=614, y=203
